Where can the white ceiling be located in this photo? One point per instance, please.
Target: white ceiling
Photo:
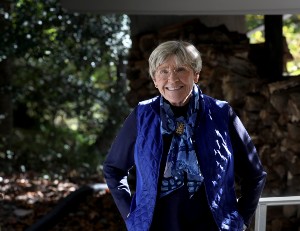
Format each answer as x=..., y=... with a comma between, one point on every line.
x=184, y=7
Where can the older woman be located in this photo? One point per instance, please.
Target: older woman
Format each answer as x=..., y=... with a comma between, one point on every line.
x=187, y=149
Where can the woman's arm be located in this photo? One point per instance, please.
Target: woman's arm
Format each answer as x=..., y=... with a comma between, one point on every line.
x=248, y=168
x=118, y=162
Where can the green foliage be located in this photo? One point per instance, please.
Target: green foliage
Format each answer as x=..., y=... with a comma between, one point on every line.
x=66, y=81
x=52, y=151
x=253, y=21
x=254, y=24
x=291, y=29
x=41, y=27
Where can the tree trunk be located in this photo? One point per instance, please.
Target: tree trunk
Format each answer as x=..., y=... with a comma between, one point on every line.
x=6, y=107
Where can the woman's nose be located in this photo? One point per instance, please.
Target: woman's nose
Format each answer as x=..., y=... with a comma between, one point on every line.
x=173, y=76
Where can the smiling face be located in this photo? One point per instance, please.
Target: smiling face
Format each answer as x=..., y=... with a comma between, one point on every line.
x=175, y=81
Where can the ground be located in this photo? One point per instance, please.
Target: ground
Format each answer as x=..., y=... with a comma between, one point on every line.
x=25, y=199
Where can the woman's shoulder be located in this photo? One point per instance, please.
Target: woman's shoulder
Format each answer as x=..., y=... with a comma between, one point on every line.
x=149, y=105
x=213, y=102
x=148, y=101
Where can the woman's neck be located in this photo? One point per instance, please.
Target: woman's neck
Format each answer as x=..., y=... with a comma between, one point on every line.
x=180, y=110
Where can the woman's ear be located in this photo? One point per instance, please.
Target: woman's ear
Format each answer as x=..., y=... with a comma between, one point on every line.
x=196, y=77
x=154, y=81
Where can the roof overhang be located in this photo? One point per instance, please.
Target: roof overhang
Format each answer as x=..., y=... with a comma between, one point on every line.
x=184, y=7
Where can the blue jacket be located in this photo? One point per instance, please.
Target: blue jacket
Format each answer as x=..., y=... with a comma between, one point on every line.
x=224, y=150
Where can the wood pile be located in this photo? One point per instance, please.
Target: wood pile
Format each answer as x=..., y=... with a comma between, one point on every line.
x=269, y=111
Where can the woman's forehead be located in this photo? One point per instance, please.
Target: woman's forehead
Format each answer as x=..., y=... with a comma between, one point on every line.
x=171, y=60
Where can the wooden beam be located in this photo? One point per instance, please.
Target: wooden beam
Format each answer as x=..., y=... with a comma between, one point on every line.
x=187, y=7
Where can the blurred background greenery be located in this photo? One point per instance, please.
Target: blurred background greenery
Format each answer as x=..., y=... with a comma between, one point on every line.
x=63, y=78
x=290, y=30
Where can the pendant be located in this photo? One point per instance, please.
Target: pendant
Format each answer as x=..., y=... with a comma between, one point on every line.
x=180, y=128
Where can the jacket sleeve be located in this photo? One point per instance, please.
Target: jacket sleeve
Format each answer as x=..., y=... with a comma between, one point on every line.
x=248, y=168
x=119, y=161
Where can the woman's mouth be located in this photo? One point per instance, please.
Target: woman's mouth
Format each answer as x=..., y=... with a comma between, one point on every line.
x=173, y=88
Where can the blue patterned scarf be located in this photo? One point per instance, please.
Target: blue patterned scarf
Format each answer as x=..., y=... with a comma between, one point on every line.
x=181, y=159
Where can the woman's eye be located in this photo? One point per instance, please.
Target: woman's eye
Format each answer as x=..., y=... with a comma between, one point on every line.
x=164, y=71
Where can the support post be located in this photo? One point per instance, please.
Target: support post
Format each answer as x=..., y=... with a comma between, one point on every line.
x=274, y=47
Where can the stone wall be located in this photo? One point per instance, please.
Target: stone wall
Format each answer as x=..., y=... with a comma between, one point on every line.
x=269, y=111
